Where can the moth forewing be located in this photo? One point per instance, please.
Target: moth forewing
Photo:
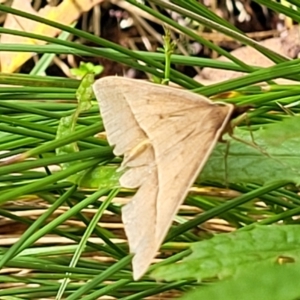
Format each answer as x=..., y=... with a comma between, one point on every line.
x=167, y=135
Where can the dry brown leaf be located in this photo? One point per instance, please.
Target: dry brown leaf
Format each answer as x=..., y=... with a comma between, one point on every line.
x=288, y=45
x=65, y=13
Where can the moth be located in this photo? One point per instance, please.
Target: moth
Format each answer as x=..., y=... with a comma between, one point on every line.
x=166, y=135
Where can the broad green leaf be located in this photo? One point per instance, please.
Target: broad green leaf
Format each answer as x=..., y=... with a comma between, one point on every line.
x=225, y=255
x=280, y=132
x=279, y=282
x=274, y=156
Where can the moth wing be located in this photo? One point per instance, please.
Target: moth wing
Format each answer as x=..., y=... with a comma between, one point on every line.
x=181, y=128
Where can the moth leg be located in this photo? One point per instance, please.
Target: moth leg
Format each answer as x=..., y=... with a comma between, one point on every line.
x=253, y=144
x=226, y=163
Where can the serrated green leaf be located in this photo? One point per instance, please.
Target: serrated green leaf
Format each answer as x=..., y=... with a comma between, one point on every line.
x=67, y=124
x=225, y=255
x=84, y=93
x=264, y=162
x=65, y=127
x=279, y=282
x=85, y=68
